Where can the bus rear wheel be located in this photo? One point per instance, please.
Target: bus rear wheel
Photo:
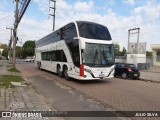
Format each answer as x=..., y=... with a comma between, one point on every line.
x=60, y=74
x=66, y=73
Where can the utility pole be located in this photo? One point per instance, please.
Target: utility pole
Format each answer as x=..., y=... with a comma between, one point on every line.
x=10, y=45
x=19, y=12
x=128, y=39
x=138, y=40
x=129, y=32
x=54, y=11
x=15, y=34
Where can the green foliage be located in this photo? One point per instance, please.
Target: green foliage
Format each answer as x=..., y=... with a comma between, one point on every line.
x=5, y=80
x=28, y=49
x=117, y=52
x=18, y=51
x=5, y=50
x=5, y=53
x=3, y=46
x=148, y=53
x=13, y=70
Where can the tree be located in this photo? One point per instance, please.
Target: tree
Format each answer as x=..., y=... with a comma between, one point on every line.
x=149, y=53
x=5, y=52
x=3, y=46
x=117, y=52
x=18, y=51
x=28, y=49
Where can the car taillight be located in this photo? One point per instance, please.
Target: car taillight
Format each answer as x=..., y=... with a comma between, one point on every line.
x=129, y=69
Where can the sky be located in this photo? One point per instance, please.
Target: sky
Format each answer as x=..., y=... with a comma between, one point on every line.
x=117, y=15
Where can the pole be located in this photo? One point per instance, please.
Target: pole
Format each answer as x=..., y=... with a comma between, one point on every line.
x=128, y=39
x=54, y=15
x=138, y=40
x=54, y=12
x=15, y=34
x=9, y=45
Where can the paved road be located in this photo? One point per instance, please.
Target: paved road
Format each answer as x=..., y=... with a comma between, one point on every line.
x=116, y=94
x=60, y=96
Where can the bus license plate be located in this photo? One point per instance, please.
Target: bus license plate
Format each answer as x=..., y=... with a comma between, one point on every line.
x=101, y=75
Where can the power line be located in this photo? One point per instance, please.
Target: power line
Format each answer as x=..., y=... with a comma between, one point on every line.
x=5, y=16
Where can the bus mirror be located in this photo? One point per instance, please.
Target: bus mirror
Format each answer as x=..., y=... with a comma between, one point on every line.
x=76, y=38
x=83, y=45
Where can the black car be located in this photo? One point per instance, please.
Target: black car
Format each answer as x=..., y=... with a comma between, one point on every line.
x=126, y=70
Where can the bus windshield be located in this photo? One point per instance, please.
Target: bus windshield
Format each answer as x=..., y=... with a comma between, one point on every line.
x=98, y=55
x=93, y=31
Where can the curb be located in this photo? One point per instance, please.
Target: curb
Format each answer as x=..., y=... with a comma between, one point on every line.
x=154, y=81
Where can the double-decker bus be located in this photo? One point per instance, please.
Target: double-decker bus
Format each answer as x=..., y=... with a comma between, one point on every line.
x=82, y=50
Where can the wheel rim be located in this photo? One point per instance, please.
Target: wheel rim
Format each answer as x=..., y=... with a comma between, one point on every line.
x=124, y=75
x=59, y=73
x=66, y=74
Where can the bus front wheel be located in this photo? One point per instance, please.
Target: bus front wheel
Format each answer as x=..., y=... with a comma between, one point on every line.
x=66, y=73
x=59, y=71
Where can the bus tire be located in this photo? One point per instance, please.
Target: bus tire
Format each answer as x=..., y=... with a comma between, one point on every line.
x=39, y=65
x=66, y=73
x=59, y=72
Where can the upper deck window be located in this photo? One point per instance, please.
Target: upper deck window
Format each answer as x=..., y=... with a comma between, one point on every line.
x=93, y=31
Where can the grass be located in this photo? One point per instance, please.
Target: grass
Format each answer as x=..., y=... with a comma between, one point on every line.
x=9, y=62
x=9, y=65
x=13, y=69
x=5, y=80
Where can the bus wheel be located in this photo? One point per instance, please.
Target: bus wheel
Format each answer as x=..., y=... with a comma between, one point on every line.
x=66, y=73
x=59, y=71
x=39, y=65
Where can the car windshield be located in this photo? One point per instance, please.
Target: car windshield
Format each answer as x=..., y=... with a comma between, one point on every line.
x=132, y=66
x=98, y=55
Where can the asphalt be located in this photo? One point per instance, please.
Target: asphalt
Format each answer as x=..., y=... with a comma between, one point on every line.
x=49, y=96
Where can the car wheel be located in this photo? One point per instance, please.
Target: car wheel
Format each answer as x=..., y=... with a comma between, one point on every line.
x=60, y=74
x=66, y=73
x=124, y=75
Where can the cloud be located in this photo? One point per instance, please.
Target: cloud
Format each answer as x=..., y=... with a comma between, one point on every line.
x=83, y=6
x=150, y=10
x=111, y=2
x=130, y=2
x=3, y=5
x=145, y=16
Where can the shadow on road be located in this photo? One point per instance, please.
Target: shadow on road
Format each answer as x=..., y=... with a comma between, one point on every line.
x=103, y=81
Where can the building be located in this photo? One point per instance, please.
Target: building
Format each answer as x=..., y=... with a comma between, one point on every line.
x=156, y=54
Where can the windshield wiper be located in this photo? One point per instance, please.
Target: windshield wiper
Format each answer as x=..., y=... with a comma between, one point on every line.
x=95, y=57
x=105, y=58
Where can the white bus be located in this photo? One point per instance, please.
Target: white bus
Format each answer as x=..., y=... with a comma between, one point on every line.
x=81, y=50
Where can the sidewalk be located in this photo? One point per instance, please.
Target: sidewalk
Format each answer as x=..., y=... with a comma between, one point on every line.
x=24, y=98
x=150, y=76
